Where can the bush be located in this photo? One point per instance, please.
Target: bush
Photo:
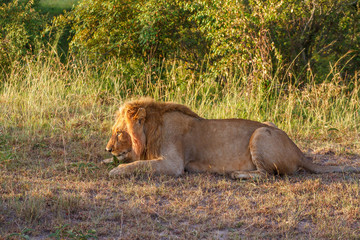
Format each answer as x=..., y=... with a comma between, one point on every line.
x=310, y=34
x=141, y=29
x=265, y=38
x=20, y=34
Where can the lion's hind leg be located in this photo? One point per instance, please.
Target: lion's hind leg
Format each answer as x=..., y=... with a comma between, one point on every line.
x=245, y=175
x=273, y=152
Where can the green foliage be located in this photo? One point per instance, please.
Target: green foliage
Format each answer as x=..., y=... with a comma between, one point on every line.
x=63, y=232
x=21, y=235
x=310, y=34
x=293, y=40
x=93, y=28
x=84, y=167
x=20, y=34
x=258, y=37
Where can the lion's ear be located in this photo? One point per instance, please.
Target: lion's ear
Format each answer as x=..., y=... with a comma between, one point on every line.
x=140, y=115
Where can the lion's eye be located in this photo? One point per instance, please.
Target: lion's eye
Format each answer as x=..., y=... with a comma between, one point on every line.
x=119, y=134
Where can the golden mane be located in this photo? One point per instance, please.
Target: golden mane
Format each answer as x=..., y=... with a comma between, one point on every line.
x=153, y=122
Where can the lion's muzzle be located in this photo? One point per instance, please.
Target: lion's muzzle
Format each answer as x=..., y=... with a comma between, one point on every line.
x=123, y=154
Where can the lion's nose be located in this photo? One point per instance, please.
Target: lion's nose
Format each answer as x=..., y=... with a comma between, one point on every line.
x=108, y=149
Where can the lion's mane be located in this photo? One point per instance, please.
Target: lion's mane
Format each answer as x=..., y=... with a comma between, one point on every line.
x=153, y=122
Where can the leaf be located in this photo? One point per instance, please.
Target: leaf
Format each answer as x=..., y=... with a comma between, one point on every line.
x=116, y=161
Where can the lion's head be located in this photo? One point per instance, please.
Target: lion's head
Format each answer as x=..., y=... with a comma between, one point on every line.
x=136, y=133
x=128, y=136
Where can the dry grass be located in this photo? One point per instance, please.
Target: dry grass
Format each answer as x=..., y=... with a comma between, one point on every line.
x=190, y=207
x=54, y=124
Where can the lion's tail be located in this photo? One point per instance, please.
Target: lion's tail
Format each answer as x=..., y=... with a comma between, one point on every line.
x=308, y=165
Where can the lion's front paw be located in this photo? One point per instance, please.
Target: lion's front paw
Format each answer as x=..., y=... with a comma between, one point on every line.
x=118, y=171
x=107, y=161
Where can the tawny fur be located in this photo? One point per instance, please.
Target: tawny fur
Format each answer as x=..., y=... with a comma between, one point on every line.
x=170, y=138
x=153, y=122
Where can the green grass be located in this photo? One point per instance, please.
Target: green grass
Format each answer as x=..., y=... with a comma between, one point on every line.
x=55, y=120
x=56, y=7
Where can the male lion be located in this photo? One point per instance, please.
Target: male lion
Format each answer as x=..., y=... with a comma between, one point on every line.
x=168, y=138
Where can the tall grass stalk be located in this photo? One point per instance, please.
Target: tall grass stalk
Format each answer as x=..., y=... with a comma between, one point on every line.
x=46, y=94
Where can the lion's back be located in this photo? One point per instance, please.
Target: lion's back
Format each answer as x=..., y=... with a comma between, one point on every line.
x=211, y=145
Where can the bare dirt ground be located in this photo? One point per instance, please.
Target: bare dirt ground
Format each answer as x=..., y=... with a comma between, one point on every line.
x=50, y=193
